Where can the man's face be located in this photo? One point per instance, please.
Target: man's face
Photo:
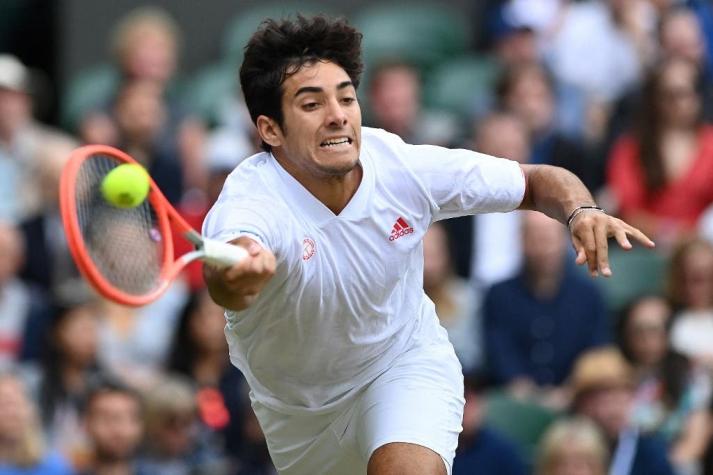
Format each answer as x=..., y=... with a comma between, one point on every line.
x=321, y=132
x=114, y=424
x=609, y=408
x=15, y=110
x=544, y=244
x=395, y=96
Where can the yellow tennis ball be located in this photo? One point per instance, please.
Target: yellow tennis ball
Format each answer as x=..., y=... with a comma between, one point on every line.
x=126, y=186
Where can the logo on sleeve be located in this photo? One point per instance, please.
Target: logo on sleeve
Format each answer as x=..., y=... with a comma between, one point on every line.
x=401, y=228
x=308, y=248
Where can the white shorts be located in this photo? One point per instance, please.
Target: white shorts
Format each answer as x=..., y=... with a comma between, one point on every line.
x=418, y=400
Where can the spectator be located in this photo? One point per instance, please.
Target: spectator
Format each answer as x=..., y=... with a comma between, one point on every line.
x=660, y=172
x=454, y=298
x=680, y=35
x=113, y=418
x=20, y=135
x=16, y=305
x=487, y=247
x=134, y=342
x=603, y=389
x=601, y=46
x=539, y=322
x=514, y=35
x=482, y=450
x=141, y=116
x=49, y=265
x=68, y=367
x=394, y=97
x=670, y=398
x=690, y=283
x=141, y=113
x=527, y=91
x=175, y=443
x=199, y=351
x=572, y=446
x=22, y=449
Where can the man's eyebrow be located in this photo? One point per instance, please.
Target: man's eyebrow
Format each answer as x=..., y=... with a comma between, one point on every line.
x=308, y=89
x=317, y=90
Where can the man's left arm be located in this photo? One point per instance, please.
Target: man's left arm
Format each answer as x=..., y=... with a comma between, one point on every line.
x=560, y=195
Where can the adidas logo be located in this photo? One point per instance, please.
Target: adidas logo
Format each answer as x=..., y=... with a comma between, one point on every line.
x=401, y=228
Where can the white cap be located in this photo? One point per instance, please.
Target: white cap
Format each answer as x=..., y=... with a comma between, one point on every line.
x=13, y=74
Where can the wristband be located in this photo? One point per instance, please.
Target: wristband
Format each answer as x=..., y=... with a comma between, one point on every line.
x=579, y=209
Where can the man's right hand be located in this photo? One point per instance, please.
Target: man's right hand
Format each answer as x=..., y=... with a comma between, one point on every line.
x=237, y=287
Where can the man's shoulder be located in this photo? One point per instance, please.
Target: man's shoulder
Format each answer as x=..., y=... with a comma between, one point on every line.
x=251, y=176
x=380, y=141
x=506, y=287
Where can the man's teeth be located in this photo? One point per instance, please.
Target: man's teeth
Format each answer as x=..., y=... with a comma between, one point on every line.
x=329, y=143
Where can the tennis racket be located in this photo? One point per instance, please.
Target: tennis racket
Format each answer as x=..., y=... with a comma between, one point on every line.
x=127, y=254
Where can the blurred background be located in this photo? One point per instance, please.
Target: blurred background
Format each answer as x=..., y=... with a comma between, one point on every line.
x=564, y=374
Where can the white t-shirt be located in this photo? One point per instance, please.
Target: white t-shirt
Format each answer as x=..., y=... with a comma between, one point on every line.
x=347, y=296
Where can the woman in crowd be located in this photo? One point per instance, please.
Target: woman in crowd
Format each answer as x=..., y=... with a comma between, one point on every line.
x=690, y=283
x=670, y=396
x=660, y=172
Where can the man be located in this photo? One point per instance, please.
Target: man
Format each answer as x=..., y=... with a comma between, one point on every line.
x=113, y=421
x=395, y=103
x=603, y=391
x=348, y=368
x=21, y=137
x=538, y=322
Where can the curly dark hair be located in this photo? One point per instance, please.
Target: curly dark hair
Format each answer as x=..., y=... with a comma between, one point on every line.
x=279, y=49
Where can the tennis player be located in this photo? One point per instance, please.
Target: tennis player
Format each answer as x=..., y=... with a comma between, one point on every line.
x=349, y=369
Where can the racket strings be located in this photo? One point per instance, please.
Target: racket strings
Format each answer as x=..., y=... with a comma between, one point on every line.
x=125, y=244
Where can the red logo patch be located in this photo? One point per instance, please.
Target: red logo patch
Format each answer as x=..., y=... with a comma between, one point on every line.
x=308, y=248
x=401, y=228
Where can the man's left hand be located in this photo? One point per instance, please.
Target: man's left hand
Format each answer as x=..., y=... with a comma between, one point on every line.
x=590, y=233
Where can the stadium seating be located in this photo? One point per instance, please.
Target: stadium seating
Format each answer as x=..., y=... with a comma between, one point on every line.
x=462, y=85
x=423, y=34
x=522, y=422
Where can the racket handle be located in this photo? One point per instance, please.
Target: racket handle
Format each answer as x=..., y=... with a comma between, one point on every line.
x=221, y=254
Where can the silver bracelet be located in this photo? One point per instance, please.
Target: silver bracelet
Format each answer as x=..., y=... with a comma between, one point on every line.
x=580, y=209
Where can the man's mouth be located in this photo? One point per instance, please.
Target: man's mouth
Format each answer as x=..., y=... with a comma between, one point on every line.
x=336, y=142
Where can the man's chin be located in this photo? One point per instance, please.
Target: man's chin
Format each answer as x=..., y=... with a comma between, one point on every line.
x=339, y=169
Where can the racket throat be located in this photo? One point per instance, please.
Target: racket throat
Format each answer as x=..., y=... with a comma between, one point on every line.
x=194, y=237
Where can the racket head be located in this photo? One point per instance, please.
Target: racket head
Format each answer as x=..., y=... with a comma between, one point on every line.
x=126, y=254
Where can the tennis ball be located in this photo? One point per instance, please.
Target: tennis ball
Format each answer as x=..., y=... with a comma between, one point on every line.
x=126, y=186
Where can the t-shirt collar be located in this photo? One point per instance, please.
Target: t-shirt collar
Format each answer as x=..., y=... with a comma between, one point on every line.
x=300, y=198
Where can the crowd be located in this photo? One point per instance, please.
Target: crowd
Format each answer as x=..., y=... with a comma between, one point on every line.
x=565, y=374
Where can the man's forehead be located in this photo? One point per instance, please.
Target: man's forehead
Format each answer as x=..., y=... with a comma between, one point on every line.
x=322, y=74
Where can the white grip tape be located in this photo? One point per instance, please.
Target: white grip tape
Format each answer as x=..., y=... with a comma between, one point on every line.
x=222, y=254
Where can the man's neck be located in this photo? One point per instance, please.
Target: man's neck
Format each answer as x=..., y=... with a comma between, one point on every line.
x=334, y=192
x=544, y=286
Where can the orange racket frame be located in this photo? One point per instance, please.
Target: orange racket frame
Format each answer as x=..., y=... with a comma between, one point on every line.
x=167, y=218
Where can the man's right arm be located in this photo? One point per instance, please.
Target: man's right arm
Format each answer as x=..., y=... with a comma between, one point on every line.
x=237, y=287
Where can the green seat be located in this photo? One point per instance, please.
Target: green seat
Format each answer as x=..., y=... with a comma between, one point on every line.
x=90, y=88
x=635, y=272
x=520, y=421
x=424, y=34
x=242, y=27
x=461, y=85
x=207, y=92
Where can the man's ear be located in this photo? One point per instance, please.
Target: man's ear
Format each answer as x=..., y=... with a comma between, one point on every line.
x=269, y=131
